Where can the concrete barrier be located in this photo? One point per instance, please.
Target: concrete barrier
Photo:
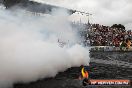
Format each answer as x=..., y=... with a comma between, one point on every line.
x=109, y=48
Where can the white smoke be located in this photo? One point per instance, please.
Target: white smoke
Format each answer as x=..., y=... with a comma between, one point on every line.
x=29, y=47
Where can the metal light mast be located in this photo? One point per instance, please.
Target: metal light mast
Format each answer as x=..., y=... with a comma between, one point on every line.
x=86, y=13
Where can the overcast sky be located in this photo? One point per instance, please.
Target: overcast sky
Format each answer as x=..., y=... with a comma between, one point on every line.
x=105, y=12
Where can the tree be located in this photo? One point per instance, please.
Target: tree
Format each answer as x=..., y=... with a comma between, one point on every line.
x=10, y=3
x=118, y=26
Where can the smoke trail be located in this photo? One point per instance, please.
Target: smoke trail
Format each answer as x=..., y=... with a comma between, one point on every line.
x=29, y=47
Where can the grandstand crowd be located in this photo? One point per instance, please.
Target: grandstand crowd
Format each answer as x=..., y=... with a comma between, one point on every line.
x=116, y=35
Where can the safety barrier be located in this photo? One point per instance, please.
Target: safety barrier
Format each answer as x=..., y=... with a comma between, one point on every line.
x=109, y=48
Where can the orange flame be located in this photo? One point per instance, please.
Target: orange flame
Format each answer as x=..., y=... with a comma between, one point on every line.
x=84, y=73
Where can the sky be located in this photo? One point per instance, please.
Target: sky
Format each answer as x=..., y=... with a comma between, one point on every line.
x=106, y=12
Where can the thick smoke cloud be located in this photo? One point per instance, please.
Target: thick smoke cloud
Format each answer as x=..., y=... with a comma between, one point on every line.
x=29, y=47
x=105, y=12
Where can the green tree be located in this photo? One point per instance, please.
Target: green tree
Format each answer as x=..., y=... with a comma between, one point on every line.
x=10, y=3
x=119, y=26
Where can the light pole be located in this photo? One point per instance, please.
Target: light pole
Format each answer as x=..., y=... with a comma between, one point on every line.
x=87, y=14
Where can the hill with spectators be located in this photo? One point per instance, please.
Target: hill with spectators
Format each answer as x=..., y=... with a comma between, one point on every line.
x=115, y=35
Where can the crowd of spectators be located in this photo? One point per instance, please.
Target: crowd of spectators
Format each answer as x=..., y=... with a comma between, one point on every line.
x=116, y=35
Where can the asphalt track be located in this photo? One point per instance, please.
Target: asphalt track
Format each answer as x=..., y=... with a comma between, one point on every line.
x=103, y=65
